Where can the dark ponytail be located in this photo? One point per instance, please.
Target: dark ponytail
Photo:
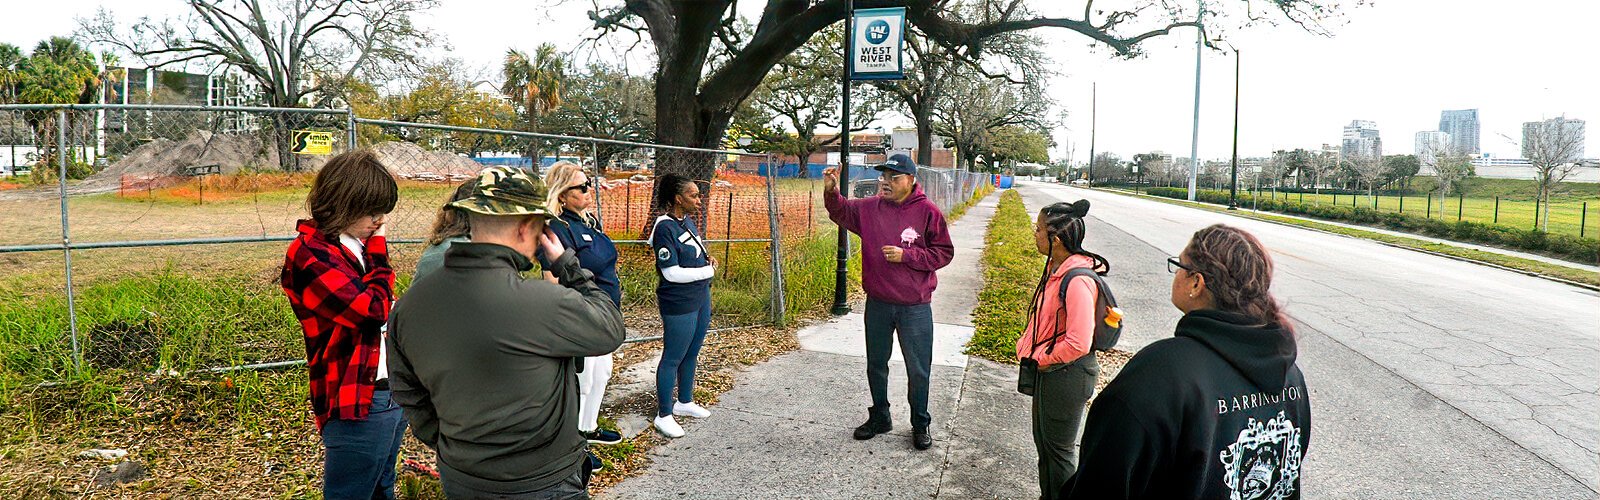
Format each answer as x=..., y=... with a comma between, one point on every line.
x=1064, y=223
x=668, y=187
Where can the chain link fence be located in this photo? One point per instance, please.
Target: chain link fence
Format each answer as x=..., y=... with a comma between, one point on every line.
x=149, y=237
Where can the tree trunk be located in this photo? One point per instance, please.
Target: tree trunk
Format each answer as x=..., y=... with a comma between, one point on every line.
x=280, y=140
x=924, y=135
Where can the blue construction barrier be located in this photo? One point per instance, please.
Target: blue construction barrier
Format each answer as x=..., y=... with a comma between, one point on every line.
x=814, y=171
x=1006, y=181
x=522, y=162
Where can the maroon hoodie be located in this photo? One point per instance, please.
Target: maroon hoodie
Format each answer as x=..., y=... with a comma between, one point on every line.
x=915, y=225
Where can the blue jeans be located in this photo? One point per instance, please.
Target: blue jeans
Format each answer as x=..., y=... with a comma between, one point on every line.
x=681, y=338
x=914, y=325
x=361, y=453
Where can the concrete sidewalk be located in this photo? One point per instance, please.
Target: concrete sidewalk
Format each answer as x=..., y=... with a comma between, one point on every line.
x=784, y=430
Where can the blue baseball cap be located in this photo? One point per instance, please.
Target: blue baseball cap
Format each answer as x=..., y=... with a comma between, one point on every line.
x=900, y=163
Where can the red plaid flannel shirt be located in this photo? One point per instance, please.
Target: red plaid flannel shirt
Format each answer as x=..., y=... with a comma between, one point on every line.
x=341, y=311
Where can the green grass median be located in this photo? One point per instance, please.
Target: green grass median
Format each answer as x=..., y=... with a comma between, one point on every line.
x=1010, y=271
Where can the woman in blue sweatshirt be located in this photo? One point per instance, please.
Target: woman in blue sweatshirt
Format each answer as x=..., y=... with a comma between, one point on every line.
x=683, y=295
x=572, y=196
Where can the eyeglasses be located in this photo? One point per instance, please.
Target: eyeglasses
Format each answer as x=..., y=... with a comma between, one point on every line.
x=1173, y=265
x=379, y=218
x=582, y=188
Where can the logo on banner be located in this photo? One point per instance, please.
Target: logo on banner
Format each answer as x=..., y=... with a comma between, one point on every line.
x=877, y=32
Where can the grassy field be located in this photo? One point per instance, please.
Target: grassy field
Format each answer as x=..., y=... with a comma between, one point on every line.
x=1526, y=265
x=1566, y=215
x=247, y=433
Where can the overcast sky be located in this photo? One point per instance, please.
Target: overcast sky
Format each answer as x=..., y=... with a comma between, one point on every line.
x=1398, y=63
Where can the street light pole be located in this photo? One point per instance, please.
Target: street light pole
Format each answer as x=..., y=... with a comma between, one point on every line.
x=1194, y=143
x=1094, y=109
x=1233, y=184
x=841, y=278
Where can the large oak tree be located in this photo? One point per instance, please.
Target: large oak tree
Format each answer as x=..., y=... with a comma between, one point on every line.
x=695, y=101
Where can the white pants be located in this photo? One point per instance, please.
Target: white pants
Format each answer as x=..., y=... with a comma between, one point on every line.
x=591, y=388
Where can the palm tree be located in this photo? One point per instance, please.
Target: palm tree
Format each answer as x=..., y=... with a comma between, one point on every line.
x=10, y=72
x=59, y=71
x=535, y=84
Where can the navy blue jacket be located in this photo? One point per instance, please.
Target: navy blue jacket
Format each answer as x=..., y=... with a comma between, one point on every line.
x=676, y=242
x=595, y=251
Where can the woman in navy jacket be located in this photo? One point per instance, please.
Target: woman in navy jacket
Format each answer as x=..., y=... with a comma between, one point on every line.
x=572, y=196
x=683, y=295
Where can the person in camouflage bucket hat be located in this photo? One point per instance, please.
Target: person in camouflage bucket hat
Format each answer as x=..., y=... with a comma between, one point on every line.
x=462, y=333
x=506, y=191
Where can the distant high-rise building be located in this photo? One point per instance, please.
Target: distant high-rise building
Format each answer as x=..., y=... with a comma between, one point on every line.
x=1571, y=126
x=1462, y=125
x=1427, y=145
x=1361, y=138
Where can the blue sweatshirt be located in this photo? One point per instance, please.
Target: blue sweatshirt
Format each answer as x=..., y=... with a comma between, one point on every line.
x=676, y=242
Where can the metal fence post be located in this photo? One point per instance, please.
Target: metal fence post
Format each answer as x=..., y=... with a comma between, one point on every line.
x=1461, y=205
x=599, y=209
x=1429, y=214
x=1497, y=210
x=727, y=229
x=66, y=237
x=775, y=246
x=1536, y=213
x=350, y=129
x=1402, y=202
x=1583, y=219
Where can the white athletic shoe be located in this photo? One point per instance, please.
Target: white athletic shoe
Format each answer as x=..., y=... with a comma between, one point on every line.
x=668, y=427
x=690, y=410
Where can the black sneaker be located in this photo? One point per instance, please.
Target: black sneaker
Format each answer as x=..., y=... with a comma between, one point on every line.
x=873, y=427
x=602, y=436
x=921, y=438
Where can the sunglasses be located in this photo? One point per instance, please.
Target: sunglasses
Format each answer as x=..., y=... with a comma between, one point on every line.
x=582, y=188
x=1173, y=265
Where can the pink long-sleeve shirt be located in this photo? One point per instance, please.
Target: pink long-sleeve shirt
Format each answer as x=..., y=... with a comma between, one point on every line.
x=1075, y=318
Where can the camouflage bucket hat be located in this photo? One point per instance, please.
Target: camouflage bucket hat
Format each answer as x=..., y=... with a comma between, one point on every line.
x=506, y=191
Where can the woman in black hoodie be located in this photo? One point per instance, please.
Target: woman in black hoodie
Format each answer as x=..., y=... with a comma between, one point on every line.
x=1218, y=411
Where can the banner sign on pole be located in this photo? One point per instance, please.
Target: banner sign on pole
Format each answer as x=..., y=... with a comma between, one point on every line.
x=311, y=142
x=879, y=44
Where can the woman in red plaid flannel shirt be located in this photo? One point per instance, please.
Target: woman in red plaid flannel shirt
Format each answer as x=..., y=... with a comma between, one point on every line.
x=340, y=285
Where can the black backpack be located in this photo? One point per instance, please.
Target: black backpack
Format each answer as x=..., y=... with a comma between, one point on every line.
x=1107, y=316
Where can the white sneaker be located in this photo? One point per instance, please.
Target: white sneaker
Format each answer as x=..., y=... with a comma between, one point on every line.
x=668, y=427
x=690, y=410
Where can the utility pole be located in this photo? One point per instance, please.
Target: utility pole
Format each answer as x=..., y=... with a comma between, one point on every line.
x=1194, y=143
x=1233, y=183
x=841, y=278
x=1094, y=120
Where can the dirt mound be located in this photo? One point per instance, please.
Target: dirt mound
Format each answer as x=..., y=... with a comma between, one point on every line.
x=229, y=152
x=410, y=161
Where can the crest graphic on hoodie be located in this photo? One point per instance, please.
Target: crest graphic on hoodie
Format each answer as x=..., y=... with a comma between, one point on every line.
x=909, y=236
x=1264, y=463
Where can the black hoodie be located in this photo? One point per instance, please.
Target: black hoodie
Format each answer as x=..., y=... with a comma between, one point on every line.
x=1218, y=411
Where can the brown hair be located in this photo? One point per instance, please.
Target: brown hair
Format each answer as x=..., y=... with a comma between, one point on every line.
x=451, y=221
x=350, y=186
x=1238, y=273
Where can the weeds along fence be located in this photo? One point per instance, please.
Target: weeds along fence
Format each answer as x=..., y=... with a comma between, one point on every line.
x=145, y=237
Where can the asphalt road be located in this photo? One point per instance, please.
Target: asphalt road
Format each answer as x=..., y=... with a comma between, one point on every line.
x=1429, y=377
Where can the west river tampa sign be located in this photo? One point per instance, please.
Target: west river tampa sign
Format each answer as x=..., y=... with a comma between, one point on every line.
x=878, y=52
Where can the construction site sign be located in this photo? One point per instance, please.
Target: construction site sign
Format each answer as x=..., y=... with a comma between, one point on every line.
x=311, y=142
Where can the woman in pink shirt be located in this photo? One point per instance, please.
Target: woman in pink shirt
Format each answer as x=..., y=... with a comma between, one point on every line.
x=1058, y=337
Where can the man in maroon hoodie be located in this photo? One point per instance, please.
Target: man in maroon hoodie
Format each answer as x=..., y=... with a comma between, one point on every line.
x=904, y=241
